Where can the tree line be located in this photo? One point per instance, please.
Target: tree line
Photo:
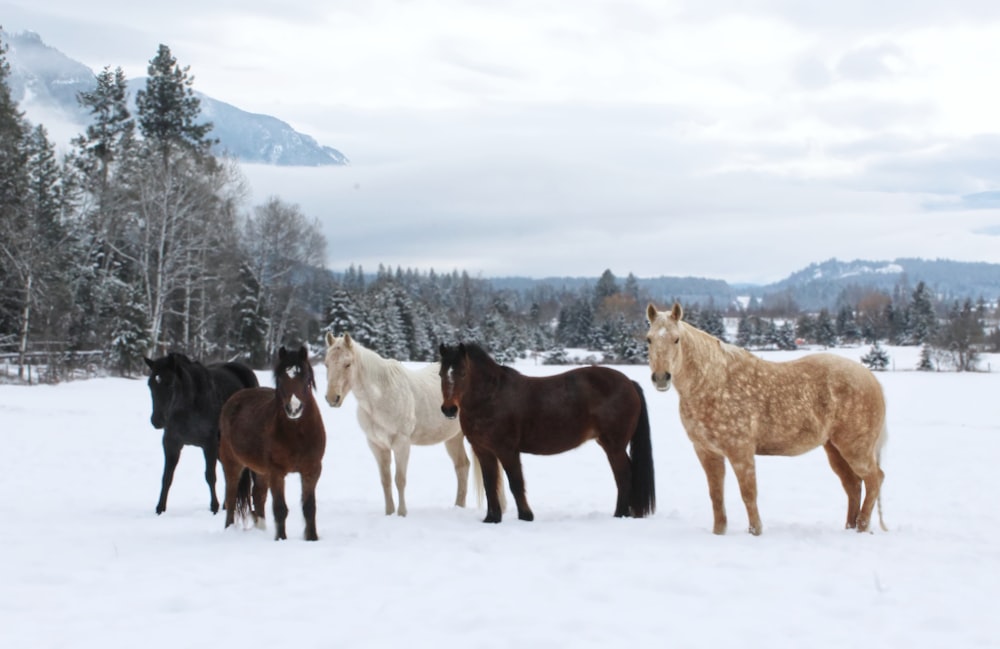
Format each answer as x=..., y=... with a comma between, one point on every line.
x=137, y=242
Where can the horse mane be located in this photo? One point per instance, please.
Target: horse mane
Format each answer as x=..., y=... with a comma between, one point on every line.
x=480, y=355
x=291, y=360
x=194, y=378
x=378, y=369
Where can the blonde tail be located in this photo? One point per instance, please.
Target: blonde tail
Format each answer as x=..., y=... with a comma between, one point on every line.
x=477, y=472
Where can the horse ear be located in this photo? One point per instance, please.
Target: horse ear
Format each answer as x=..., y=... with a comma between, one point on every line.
x=303, y=353
x=329, y=338
x=441, y=349
x=461, y=349
x=347, y=340
x=677, y=313
x=651, y=313
x=148, y=362
x=282, y=353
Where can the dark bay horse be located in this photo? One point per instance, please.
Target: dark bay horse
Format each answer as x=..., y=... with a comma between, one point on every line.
x=735, y=405
x=504, y=413
x=273, y=432
x=187, y=398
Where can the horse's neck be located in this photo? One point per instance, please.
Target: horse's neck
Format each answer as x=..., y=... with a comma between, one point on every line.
x=372, y=374
x=706, y=359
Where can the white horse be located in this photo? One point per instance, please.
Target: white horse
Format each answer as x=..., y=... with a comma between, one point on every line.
x=397, y=407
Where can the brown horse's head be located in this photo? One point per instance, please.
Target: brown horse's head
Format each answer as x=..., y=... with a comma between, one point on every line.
x=293, y=380
x=454, y=377
x=664, y=338
x=340, y=358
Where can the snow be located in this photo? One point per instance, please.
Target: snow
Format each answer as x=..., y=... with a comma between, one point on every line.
x=85, y=562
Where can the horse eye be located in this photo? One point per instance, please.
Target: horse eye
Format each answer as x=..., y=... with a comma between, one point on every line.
x=677, y=340
x=649, y=341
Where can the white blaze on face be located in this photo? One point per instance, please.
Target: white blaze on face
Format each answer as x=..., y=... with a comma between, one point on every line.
x=294, y=408
x=292, y=371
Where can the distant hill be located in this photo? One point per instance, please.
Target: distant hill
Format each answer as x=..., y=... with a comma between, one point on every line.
x=45, y=83
x=815, y=287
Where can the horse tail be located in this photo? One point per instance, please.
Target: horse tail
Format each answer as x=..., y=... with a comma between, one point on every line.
x=477, y=471
x=641, y=456
x=243, y=504
x=879, y=445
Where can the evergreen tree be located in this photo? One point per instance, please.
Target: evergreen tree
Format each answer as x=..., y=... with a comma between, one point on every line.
x=923, y=320
x=824, y=332
x=129, y=342
x=251, y=325
x=877, y=359
x=13, y=188
x=169, y=111
x=925, y=364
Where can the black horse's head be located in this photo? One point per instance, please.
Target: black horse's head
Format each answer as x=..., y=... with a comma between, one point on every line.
x=453, y=377
x=165, y=384
x=293, y=381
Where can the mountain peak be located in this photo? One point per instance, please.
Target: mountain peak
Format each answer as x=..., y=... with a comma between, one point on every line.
x=45, y=83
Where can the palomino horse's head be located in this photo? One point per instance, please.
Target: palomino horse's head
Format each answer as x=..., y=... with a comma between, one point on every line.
x=664, y=338
x=454, y=376
x=164, y=383
x=339, y=360
x=293, y=380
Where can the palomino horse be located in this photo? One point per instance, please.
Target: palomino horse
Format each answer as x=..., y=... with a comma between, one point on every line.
x=397, y=407
x=735, y=405
x=187, y=398
x=273, y=432
x=504, y=413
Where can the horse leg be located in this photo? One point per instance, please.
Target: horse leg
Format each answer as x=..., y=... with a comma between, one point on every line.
x=866, y=466
x=231, y=471
x=491, y=478
x=714, y=466
x=515, y=478
x=383, y=457
x=260, y=486
x=456, y=451
x=171, y=455
x=401, y=451
x=850, y=481
x=744, y=466
x=621, y=467
x=309, y=479
x=279, y=506
x=211, y=458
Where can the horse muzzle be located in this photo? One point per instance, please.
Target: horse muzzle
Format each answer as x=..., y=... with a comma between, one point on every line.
x=661, y=380
x=335, y=400
x=449, y=411
x=157, y=422
x=294, y=408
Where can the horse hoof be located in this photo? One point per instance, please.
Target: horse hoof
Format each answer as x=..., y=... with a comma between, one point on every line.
x=526, y=516
x=491, y=519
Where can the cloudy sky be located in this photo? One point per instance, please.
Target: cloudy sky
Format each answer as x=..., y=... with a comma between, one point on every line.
x=739, y=140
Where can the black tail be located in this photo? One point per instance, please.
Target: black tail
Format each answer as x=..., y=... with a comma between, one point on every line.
x=243, y=504
x=641, y=453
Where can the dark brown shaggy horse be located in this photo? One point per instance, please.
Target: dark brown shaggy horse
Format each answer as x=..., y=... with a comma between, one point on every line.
x=273, y=432
x=504, y=413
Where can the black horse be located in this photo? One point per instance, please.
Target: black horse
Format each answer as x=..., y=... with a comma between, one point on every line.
x=187, y=399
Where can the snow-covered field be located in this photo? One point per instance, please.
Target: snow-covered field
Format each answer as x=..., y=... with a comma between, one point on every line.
x=85, y=562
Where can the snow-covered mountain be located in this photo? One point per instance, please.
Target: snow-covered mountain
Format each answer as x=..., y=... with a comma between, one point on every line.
x=45, y=83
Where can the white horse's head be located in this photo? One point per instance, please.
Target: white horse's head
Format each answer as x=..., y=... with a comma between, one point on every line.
x=339, y=360
x=664, y=338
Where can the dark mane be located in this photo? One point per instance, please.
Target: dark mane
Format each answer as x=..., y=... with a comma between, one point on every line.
x=292, y=360
x=480, y=355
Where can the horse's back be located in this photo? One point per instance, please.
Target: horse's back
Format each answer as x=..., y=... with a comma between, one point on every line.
x=559, y=412
x=822, y=397
x=230, y=377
